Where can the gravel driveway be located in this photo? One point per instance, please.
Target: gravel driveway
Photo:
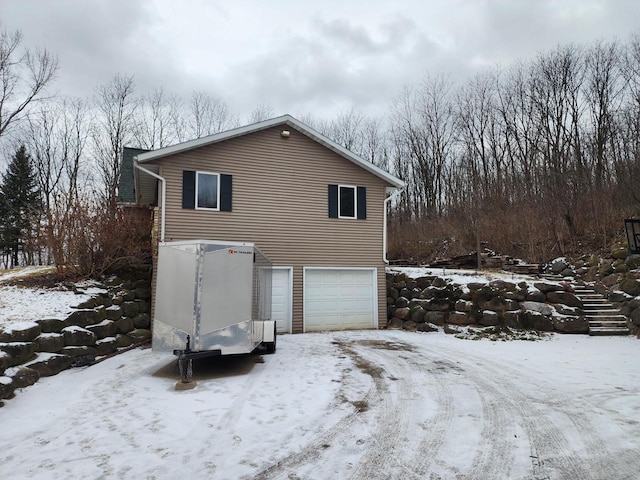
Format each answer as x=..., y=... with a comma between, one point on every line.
x=359, y=405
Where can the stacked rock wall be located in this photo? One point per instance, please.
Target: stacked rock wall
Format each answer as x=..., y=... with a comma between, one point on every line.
x=100, y=326
x=425, y=303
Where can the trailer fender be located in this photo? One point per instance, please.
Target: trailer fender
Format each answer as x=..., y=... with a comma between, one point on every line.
x=269, y=331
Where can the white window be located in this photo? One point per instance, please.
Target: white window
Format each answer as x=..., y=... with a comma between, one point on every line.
x=207, y=191
x=347, y=205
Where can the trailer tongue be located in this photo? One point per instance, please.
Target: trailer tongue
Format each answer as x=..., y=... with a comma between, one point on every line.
x=212, y=298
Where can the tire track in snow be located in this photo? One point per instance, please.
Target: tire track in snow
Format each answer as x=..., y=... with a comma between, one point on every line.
x=546, y=440
x=396, y=389
x=313, y=450
x=385, y=406
x=287, y=466
x=551, y=451
x=493, y=437
x=435, y=428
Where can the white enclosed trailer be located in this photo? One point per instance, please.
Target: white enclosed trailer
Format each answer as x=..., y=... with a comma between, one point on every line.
x=212, y=298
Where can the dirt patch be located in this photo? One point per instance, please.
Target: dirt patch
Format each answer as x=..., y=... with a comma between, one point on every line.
x=364, y=365
x=397, y=346
x=361, y=405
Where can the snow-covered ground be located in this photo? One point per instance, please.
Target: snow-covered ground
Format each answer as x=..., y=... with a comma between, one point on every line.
x=462, y=276
x=361, y=405
x=19, y=304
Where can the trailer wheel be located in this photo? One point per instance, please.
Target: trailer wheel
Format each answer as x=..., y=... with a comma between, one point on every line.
x=271, y=346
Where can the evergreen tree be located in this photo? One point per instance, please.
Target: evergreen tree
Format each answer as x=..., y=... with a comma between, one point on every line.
x=19, y=203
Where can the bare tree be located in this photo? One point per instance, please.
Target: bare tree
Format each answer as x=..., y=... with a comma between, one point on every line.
x=374, y=143
x=424, y=120
x=57, y=135
x=264, y=111
x=604, y=90
x=114, y=129
x=346, y=129
x=24, y=75
x=208, y=115
x=159, y=120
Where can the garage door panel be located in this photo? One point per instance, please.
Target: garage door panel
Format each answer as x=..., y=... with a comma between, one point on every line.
x=363, y=291
x=339, y=299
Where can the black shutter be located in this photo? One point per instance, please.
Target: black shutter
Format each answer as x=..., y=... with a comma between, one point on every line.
x=362, y=203
x=333, y=201
x=226, y=184
x=188, y=189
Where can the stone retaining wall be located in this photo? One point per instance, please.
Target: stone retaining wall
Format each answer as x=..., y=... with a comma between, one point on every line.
x=425, y=303
x=99, y=326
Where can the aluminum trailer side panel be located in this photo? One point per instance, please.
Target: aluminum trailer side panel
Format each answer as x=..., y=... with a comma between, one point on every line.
x=225, y=300
x=174, y=297
x=215, y=292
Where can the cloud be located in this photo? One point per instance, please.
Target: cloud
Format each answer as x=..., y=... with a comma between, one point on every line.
x=302, y=57
x=504, y=31
x=338, y=64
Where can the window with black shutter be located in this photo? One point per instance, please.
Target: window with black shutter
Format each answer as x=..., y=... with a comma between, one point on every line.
x=348, y=202
x=206, y=191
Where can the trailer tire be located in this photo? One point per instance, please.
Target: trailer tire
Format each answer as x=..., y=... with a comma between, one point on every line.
x=271, y=346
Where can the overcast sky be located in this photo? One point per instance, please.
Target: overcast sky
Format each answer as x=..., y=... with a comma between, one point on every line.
x=316, y=57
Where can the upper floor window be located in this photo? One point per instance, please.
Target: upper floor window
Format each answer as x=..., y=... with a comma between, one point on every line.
x=207, y=190
x=346, y=201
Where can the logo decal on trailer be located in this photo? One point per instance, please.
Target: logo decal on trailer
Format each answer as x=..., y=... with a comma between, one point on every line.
x=232, y=251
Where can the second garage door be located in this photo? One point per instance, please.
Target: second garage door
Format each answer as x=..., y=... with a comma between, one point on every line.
x=339, y=299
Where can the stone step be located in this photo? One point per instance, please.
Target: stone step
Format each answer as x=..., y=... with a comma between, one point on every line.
x=602, y=331
x=606, y=318
x=608, y=323
x=603, y=313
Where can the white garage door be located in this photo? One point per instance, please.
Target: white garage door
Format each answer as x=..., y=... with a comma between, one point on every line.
x=281, y=299
x=339, y=299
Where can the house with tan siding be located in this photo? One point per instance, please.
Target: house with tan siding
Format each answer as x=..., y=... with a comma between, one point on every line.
x=316, y=210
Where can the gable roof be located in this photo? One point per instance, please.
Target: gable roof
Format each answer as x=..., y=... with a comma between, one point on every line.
x=256, y=127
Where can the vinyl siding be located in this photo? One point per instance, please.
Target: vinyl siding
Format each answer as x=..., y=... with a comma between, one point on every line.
x=280, y=202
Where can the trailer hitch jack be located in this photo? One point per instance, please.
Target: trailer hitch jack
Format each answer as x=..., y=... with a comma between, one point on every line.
x=185, y=363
